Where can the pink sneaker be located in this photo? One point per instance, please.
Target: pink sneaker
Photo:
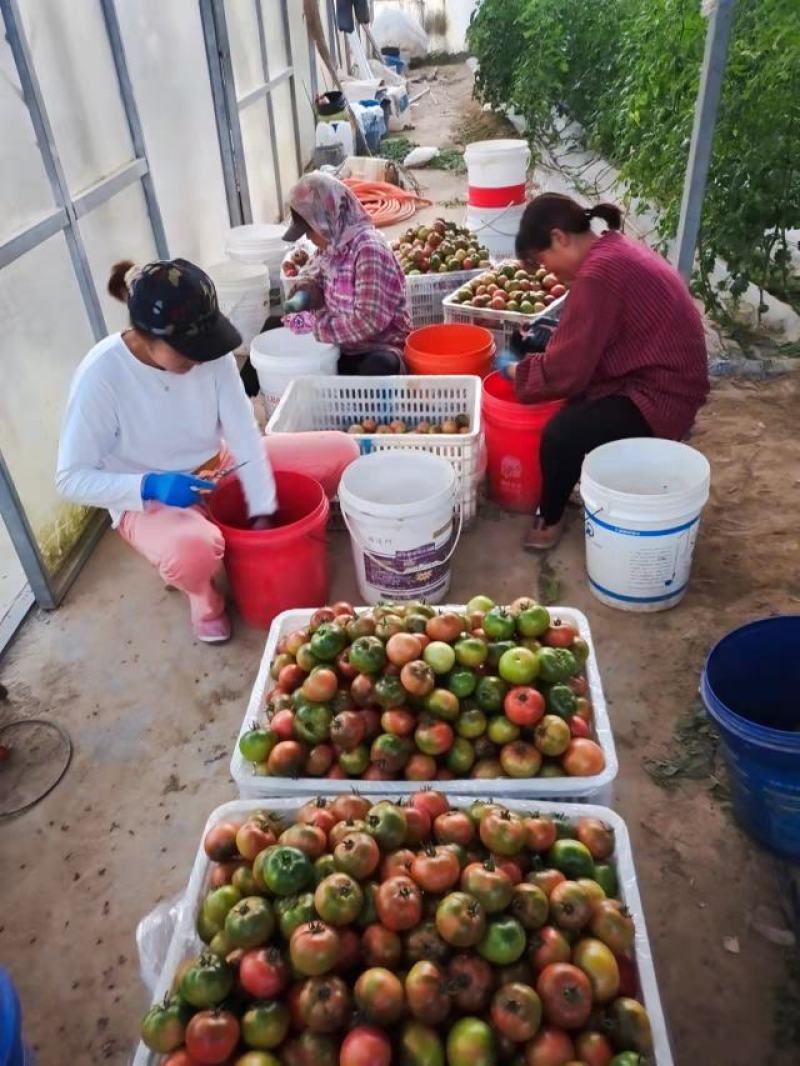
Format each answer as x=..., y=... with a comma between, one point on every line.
x=214, y=631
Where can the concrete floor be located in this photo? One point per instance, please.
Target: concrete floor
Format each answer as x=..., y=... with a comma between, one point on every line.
x=153, y=718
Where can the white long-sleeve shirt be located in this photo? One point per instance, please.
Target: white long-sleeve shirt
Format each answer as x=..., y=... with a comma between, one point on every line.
x=125, y=419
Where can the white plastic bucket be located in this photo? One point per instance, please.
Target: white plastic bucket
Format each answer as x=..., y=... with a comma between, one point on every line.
x=643, y=499
x=497, y=171
x=496, y=228
x=259, y=243
x=279, y=356
x=399, y=508
x=243, y=296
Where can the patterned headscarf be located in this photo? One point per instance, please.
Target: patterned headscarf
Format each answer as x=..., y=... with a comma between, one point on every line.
x=329, y=208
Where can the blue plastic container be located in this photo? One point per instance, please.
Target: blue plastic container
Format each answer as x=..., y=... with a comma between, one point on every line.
x=12, y=1050
x=751, y=689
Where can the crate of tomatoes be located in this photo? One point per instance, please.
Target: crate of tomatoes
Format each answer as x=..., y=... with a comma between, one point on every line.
x=445, y=931
x=390, y=696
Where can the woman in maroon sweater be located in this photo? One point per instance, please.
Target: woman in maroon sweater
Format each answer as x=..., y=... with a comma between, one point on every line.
x=629, y=352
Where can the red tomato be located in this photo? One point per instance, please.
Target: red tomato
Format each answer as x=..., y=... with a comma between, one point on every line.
x=516, y=1012
x=596, y=836
x=314, y=949
x=579, y=727
x=435, y=869
x=418, y=824
x=540, y=832
x=510, y=868
x=282, y=724
x=263, y=973
x=427, y=993
x=181, y=1057
x=349, y=950
x=398, y=721
x=583, y=758
x=594, y=1049
x=628, y=984
x=546, y=946
x=398, y=903
x=212, y=1036
x=366, y=1046
x=454, y=827
x=435, y=803
x=550, y=1047
x=379, y=996
x=524, y=706
x=398, y=862
x=559, y=635
x=470, y=980
x=566, y=995
x=420, y=768
x=381, y=947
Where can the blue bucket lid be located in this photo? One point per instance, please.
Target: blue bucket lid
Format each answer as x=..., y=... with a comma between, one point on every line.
x=10, y=1023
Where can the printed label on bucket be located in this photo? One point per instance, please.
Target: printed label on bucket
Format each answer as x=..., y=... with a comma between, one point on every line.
x=415, y=571
x=637, y=566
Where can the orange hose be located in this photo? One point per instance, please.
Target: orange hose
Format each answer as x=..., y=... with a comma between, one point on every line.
x=386, y=204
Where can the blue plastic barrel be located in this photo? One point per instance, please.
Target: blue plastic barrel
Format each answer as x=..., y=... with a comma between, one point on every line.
x=12, y=1050
x=751, y=689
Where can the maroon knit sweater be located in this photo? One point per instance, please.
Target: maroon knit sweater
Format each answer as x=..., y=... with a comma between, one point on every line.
x=629, y=328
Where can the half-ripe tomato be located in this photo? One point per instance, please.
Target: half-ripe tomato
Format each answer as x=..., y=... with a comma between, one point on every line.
x=418, y=679
x=460, y=920
x=598, y=963
x=583, y=758
x=470, y=980
x=381, y=947
x=397, y=862
x=570, y=907
x=379, y=996
x=341, y=830
x=492, y=888
x=386, y=822
x=510, y=867
x=314, y=949
x=454, y=827
x=520, y=759
x=212, y=1036
x=596, y=836
x=552, y=735
x=566, y=995
x=403, y=648
x=524, y=706
x=253, y=836
x=282, y=725
x=310, y=839
x=611, y=923
x=516, y=1012
x=579, y=685
x=219, y=843
x=398, y=722
x=420, y=768
x=349, y=805
x=434, y=803
x=164, y=1026
x=502, y=831
x=471, y=1042
x=366, y=1046
x=348, y=729
x=398, y=902
x=630, y=1026
x=339, y=899
x=287, y=759
x=433, y=737
x=550, y=1047
x=594, y=1049
x=357, y=854
x=546, y=946
x=418, y=823
x=265, y=1025
x=540, y=832
x=559, y=635
x=435, y=869
x=420, y=1045
x=546, y=879
x=350, y=956
x=426, y=993
x=529, y=905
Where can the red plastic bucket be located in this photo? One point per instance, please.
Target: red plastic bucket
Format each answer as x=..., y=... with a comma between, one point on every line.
x=450, y=349
x=513, y=432
x=274, y=570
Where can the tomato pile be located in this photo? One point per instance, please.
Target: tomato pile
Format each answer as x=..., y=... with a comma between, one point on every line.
x=454, y=424
x=362, y=935
x=404, y=692
x=511, y=288
x=442, y=248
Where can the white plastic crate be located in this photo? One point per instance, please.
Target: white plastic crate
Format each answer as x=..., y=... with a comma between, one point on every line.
x=501, y=324
x=596, y=789
x=337, y=402
x=427, y=291
x=185, y=943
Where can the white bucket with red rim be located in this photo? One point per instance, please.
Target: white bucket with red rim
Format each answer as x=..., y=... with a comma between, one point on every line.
x=497, y=171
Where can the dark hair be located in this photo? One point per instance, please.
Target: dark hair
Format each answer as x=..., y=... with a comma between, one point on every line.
x=117, y=286
x=553, y=210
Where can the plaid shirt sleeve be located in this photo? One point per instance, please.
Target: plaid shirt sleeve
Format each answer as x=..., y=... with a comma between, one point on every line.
x=377, y=290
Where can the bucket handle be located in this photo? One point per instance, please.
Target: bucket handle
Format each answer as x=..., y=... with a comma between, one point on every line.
x=381, y=562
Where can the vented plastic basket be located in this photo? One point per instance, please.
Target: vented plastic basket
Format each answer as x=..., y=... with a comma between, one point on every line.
x=595, y=789
x=501, y=324
x=185, y=942
x=427, y=291
x=338, y=402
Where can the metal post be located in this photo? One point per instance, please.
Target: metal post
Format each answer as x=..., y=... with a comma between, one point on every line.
x=273, y=135
x=134, y=124
x=287, y=36
x=24, y=540
x=705, y=118
x=34, y=101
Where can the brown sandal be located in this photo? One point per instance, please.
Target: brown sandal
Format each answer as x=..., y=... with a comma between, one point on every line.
x=541, y=537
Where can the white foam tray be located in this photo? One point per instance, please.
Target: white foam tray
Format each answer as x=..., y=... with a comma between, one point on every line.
x=597, y=788
x=185, y=942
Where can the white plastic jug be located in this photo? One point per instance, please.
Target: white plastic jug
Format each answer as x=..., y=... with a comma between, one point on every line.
x=279, y=356
x=243, y=295
x=399, y=508
x=643, y=498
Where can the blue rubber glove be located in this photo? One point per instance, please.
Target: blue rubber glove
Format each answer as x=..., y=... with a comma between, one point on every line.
x=298, y=302
x=176, y=490
x=503, y=361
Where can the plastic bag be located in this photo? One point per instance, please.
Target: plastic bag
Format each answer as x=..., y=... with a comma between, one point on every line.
x=397, y=29
x=153, y=937
x=420, y=157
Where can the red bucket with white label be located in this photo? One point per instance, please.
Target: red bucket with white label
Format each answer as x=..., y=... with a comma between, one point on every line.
x=497, y=172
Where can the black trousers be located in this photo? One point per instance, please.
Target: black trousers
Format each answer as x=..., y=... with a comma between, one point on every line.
x=378, y=362
x=575, y=431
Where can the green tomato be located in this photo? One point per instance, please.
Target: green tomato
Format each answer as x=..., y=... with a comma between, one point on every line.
x=217, y=904
x=498, y=624
x=519, y=666
x=256, y=744
x=420, y=1045
x=312, y=723
x=461, y=757
x=354, y=762
x=471, y=723
x=479, y=603
x=293, y=911
x=389, y=692
x=324, y=866
x=627, y=1058
x=367, y=655
x=497, y=650
x=606, y=877
x=503, y=942
x=265, y=1025
x=207, y=982
x=573, y=859
x=556, y=664
x=164, y=1026
x=533, y=621
x=327, y=642
x=461, y=681
x=440, y=657
x=287, y=871
x=561, y=700
x=471, y=1042
x=490, y=693
x=250, y=923
x=471, y=651
x=501, y=731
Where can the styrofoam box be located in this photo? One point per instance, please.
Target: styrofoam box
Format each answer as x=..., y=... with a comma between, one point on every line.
x=501, y=324
x=337, y=402
x=427, y=291
x=185, y=942
x=597, y=789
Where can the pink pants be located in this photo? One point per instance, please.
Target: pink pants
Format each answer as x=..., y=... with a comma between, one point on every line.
x=185, y=547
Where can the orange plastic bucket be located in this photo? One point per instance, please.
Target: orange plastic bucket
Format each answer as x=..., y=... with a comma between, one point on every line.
x=279, y=569
x=450, y=348
x=513, y=433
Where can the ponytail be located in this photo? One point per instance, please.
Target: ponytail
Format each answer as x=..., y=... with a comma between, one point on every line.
x=553, y=210
x=119, y=282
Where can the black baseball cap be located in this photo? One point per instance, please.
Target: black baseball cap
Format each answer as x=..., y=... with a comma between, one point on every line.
x=298, y=228
x=176, y=301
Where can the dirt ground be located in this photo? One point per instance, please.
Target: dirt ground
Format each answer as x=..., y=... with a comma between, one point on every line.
x=153, y=718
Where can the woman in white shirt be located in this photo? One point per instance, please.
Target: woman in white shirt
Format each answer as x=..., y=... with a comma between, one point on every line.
x=151, y=407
